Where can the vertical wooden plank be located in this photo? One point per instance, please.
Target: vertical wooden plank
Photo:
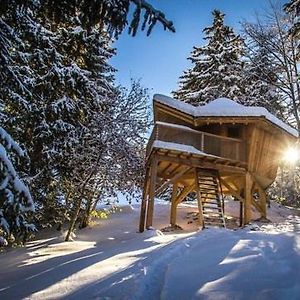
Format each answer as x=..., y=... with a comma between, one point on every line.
x=237, y=150
x=241, y=214
x=263, y=201
x=248, y=198
x=144, y=201
x=199, y=201
x=151, y=193
x=174, y=205
x=202, y=142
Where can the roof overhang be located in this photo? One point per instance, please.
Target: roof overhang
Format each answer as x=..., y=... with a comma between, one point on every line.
x=225, y=111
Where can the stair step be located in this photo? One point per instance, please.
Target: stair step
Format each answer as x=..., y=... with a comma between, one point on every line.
x=213, y=213
x=213, y=220
x=205, y=181
x=215, y=188
x=213, y=223
x=208, y=218
x=206, y=178
x=208, y=174
x=211, y=201
x=209, y=197
x=212, y=207
x=216, y=222
x=208, y=183
x=203, y=189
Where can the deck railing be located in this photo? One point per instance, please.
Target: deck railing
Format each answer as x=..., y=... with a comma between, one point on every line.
x=225, y=147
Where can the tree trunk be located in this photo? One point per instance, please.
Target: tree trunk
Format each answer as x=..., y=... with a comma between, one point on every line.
x=75, y=216
x=73, y=219
x=86, y=217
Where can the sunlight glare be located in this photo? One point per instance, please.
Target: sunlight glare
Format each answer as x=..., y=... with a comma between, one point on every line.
x=291, y=155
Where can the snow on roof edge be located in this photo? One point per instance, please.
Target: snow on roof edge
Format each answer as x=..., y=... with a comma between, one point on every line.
x=223, y=107
x=180, y=147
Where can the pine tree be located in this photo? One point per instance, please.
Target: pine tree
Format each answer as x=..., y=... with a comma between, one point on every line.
x=16, y=204
x=216, y=66
x=65, y=72
x=67, y=112
x=260, y=79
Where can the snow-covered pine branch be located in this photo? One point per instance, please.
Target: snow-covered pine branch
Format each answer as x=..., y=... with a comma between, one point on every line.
x=16, y=203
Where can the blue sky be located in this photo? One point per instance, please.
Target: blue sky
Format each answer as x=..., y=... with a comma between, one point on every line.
x=159, y=60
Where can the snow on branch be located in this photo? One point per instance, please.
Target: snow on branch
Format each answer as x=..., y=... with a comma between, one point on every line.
x=151, y=16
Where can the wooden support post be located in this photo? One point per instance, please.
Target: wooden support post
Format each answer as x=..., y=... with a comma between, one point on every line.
x=263, y=201
x=173, y=205
x=151, y=196
x=199, y=201
x=248, y=198
x=241, y=214
x=144, y=201
x=177, y=200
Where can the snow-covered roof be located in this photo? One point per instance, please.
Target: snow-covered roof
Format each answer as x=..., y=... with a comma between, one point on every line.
x=223, y=107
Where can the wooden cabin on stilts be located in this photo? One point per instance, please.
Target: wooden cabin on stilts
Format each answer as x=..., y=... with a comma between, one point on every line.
x=222, y=148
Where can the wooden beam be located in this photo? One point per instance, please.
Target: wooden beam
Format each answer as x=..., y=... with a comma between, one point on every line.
x=231, y=190
x=144, y=201
x=172, y=180
x=262, y=197
x=166, y=168
x=171, y=173
x=256, y=205
x=173, y=205
x=152, y=185
x=184, y=193
x=197, y=162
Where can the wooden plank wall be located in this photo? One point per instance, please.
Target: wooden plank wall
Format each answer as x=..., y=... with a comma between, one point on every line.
x=264, y=150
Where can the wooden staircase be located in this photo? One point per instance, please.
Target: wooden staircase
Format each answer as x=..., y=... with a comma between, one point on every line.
x=211, y=197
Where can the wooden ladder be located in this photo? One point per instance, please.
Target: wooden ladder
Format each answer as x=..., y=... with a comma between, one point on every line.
x=212, y=201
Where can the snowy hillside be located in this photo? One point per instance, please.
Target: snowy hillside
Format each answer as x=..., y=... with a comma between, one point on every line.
x=113, y=261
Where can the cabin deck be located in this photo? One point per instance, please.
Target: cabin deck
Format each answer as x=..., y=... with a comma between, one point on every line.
x=181, y=138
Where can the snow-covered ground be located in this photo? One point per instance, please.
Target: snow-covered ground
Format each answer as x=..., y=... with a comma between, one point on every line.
x=112, y=261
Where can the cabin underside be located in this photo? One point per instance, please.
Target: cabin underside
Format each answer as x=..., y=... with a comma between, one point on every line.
x=180, y=171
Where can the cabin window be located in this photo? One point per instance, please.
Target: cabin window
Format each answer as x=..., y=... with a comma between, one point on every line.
x=234, y=132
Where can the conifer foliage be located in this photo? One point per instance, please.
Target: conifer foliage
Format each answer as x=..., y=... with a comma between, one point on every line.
x=16, y=204
x=216, y=69
x=260, y=80
x=84, y=135
x=293, y=9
